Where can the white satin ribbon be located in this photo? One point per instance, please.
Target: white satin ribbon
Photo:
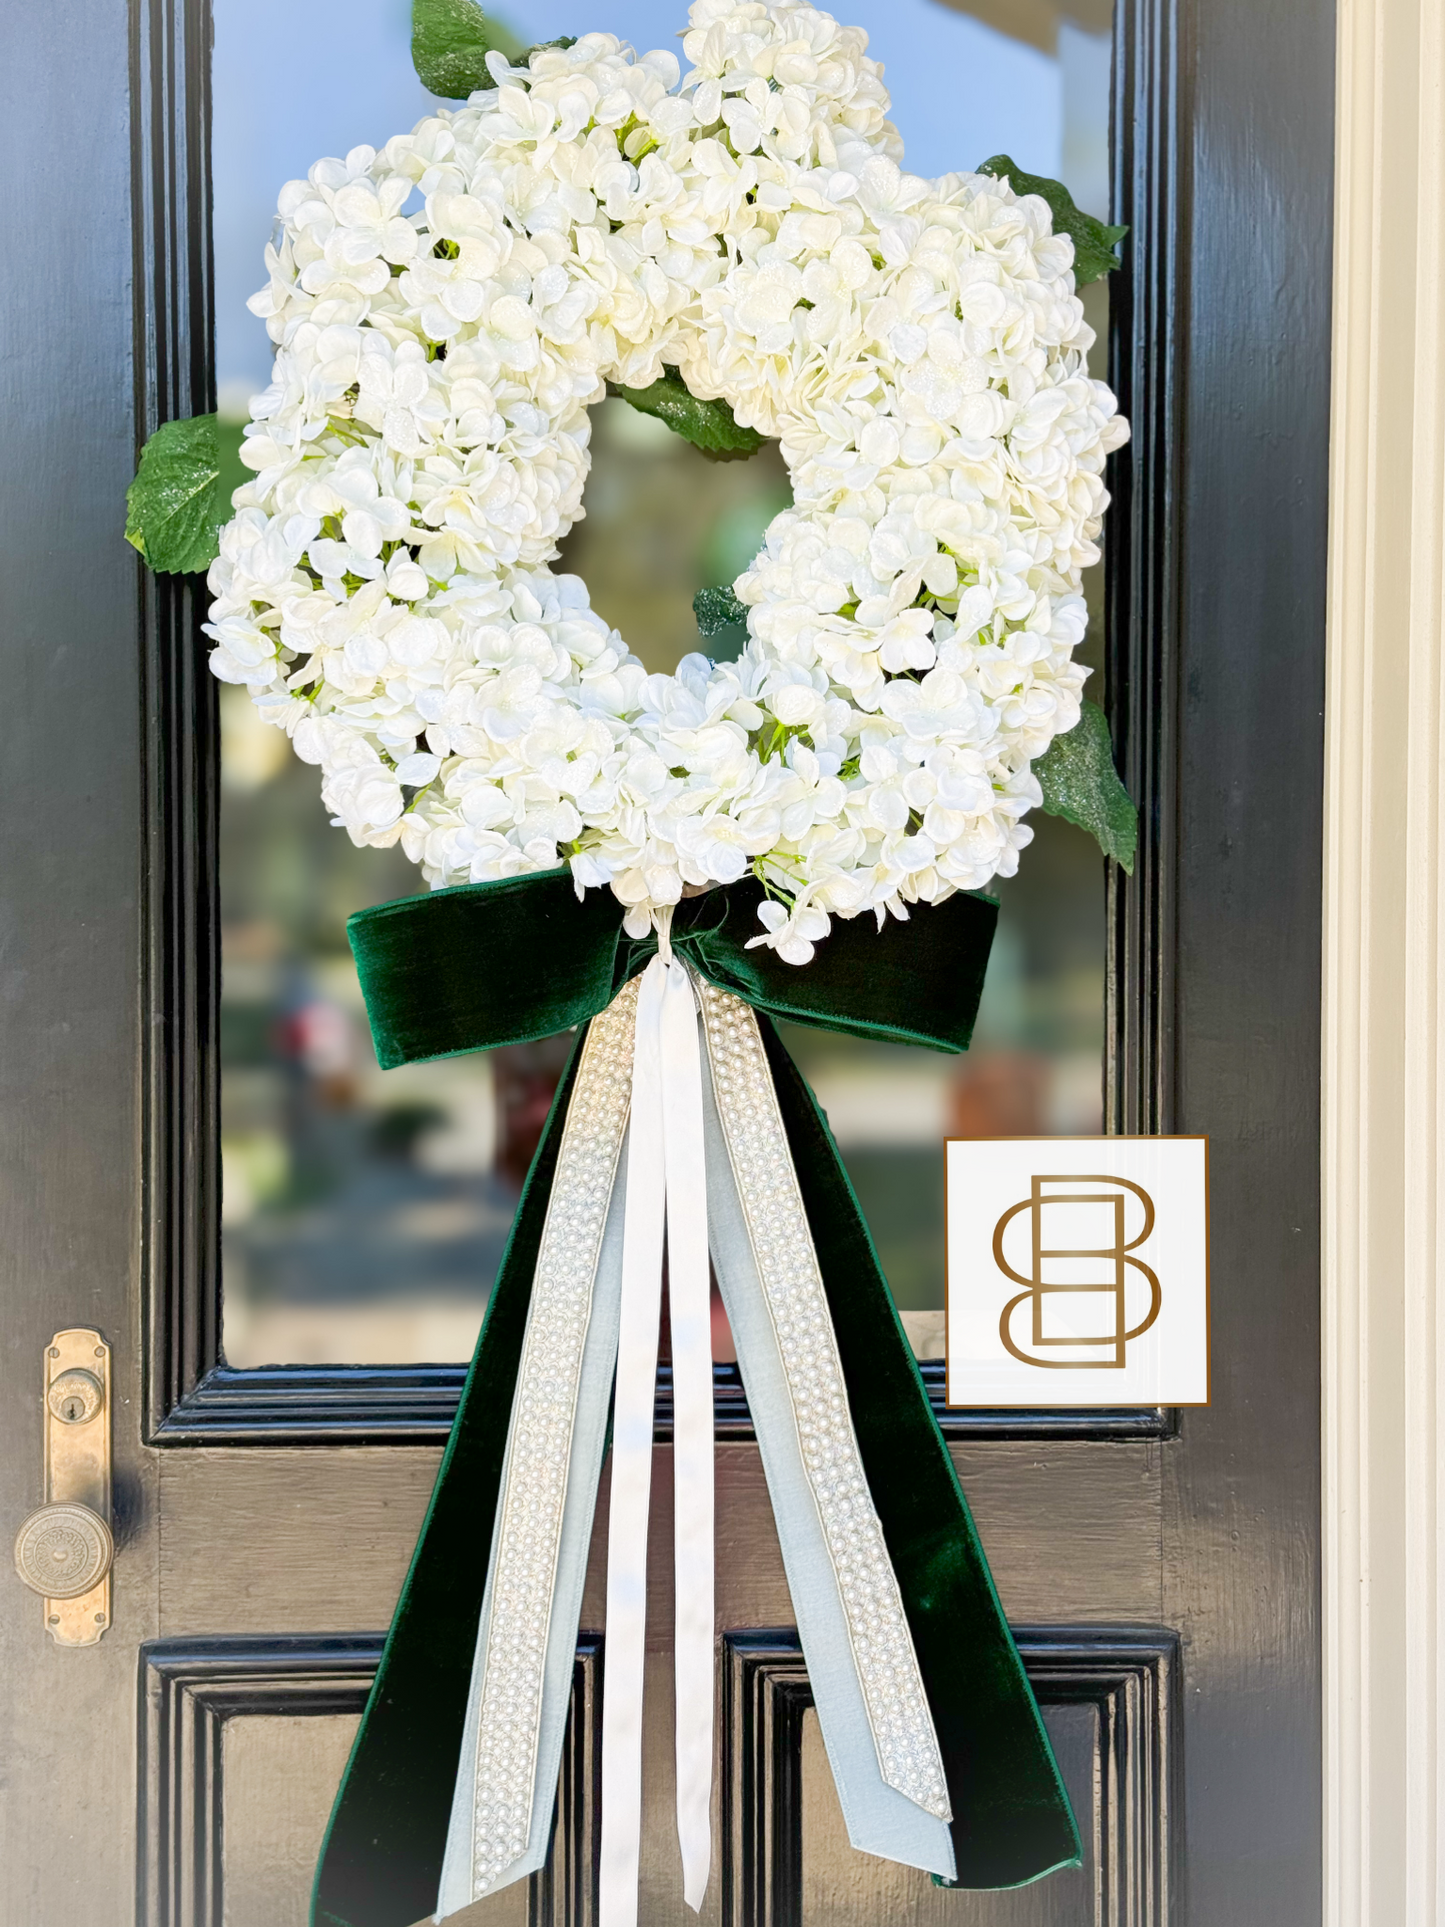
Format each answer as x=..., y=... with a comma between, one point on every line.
x=689, y=1299
x=666, y=1182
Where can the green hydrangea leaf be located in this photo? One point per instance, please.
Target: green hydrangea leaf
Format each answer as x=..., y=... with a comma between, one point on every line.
x=1077, y=776
x=450, y=41
x=708, y=425
x=178, y=503
x=1094, y=241
x=717, y=609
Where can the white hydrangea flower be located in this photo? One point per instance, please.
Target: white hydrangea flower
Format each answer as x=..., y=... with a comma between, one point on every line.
x=446, y=310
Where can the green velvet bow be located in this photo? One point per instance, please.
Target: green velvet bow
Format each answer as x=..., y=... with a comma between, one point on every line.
x=502, y=963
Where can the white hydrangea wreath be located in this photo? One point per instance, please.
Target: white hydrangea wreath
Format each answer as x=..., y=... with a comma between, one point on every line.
x=446, y=310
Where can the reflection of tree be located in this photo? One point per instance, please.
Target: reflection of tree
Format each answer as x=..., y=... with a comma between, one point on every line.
x=400, y=1128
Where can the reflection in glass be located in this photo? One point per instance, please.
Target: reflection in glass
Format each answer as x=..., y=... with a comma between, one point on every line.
x=365, y=1213
x=1034, y=1068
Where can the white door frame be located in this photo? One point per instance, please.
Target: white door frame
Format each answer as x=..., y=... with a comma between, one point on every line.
x=1384, y=1040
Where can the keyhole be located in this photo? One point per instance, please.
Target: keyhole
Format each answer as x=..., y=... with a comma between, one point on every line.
x=75, y=1397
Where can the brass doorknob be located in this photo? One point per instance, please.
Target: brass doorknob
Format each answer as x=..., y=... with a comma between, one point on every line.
x=61, y=1551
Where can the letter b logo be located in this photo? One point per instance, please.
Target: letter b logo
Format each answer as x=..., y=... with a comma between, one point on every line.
x=1084, y=1296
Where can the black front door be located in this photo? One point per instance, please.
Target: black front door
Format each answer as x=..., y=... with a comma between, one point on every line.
x=1162, y=1569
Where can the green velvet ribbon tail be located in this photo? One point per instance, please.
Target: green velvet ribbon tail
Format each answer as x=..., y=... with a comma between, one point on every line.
x=495, y=963
x=381, y=1860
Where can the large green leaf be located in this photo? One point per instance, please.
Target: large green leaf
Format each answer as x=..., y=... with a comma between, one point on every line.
x=1094, y=242
x=708, y=425
x=450, y=41
x=716, y=610
x=1077, y=776
x=178, y=502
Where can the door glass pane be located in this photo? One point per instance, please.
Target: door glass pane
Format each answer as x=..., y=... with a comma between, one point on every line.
x=365, y=1213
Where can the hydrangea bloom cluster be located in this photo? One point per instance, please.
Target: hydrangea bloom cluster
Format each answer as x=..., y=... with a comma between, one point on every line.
x=446, y=310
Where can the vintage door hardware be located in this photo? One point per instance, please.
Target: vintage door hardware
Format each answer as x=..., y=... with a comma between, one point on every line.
x=64, y=1550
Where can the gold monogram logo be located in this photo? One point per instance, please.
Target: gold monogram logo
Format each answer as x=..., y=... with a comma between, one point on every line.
x=1064, y=1276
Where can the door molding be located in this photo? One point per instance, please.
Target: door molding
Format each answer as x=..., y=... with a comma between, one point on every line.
x=1129, y=1675
x=189, y=1688
x=1383, y=1037
x=1143, y=558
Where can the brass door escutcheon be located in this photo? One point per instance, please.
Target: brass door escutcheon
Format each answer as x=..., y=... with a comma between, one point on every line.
x=64, y=1550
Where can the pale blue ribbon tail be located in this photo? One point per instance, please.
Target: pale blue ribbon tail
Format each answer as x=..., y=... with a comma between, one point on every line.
x=879, y=1819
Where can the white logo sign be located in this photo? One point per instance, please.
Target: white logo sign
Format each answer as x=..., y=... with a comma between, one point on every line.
x=1078, y=1271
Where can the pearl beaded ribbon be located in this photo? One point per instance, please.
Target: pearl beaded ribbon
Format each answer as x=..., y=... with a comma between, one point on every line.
x=701, y=1128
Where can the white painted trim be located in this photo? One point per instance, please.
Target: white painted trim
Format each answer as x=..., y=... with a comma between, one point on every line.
x=1384, y=1041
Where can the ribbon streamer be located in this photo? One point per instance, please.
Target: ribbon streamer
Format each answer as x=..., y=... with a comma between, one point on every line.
x=922, y=1701
x=665, y=1166
x=690, y=1300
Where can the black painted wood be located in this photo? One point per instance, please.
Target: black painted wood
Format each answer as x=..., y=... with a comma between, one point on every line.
x=765, y=1693
x=564, y=1893
x=1128, y=1675
x=71, y=865
x=1240, y=1024
x=189, y=1688
x=415, y=1405
x=1148, y=349
x=181, y=960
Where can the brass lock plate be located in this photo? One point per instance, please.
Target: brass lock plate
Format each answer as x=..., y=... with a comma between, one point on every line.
x=77, y=1465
